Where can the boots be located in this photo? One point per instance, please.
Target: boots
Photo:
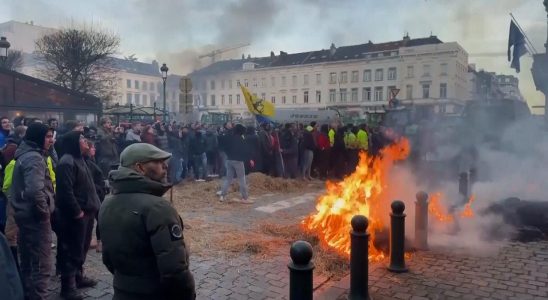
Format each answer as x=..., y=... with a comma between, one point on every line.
x=83, y=281
x=68, y=289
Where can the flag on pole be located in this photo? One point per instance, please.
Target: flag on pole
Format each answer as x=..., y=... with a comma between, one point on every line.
x=517, y=40
x=257, y=106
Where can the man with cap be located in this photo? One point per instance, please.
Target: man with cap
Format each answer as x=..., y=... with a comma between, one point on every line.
x=76, y=206
x=32, y=197
x=142, y=234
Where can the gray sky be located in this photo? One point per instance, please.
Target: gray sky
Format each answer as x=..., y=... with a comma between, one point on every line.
x=176, y=31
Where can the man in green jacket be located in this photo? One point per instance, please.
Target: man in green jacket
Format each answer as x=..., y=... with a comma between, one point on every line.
x=142, y=234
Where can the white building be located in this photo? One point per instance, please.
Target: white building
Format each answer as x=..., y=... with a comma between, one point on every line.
x=22, y=36
x=430, y=74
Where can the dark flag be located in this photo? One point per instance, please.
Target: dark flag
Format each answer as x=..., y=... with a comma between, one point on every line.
x=516, y=39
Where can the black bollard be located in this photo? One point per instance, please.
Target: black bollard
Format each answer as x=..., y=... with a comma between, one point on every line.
x=473, y=177
x=359, y=259
x=300, y=271
x=463, y=185
x=397, y=238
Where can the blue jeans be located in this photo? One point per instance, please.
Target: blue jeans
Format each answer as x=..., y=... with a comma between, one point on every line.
x=235, y=168
x=308, y=157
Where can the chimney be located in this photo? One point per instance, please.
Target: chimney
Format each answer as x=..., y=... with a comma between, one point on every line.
x=406, y=37
x=249, y=56
x=332, y=49
x=243, y=56
x=272, y=55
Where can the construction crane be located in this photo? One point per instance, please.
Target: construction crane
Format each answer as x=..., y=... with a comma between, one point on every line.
x=216, y=52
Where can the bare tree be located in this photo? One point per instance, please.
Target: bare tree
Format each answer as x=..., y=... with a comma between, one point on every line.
x=14, y=62
x=80, y=59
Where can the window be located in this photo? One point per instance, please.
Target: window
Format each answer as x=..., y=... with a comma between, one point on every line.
x=443, y=90
x=294, y=80
x=222, y=99
x=273, y=99
x=254, y=82
x=128, y=97
x=283, y=81
x=230, y=83
x=305, y=79
x=410, y=71
x=332, y=77
x=391, y=73
x=229, y=99
x=355, y=76
x=318, y=78
x=425, y=90
x=366, y=75
x=283, y=100
x=263, y=82
x=378, y=74
x=263, y=96
x=409, y=91
x=305, y=97
x=137, y=99
x=212, y=84
x=128, y=84
x=151, y=86
x=332, y=95
x=136, y=84
x=222, y=84
x=238, y=99
x=443, y=68
x=145, y=100
x=354, y=95
x=238, y=84
x=344, y=77
x=318, y=97
x=378, y=94
x=272, y=81
x=246, y=83
x=366, y=94
x=145, y=85
x=343, y=95
x=425, y=70
x=212, y=100
x=294, y=99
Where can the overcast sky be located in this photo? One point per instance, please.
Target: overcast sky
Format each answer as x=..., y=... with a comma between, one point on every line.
x=176, y=31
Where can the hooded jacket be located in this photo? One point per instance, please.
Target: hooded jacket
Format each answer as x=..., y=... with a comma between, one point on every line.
x=32, y=188
x=75, y=187
x=142, y=236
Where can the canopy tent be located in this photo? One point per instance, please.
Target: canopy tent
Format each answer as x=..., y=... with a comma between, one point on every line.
x=131, y=111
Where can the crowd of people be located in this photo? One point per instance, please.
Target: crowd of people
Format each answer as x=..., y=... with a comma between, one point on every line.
x=55, y=178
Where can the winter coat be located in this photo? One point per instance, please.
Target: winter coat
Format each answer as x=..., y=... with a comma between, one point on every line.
x=32, y=193
x=238, y=148
x=323, y=141
x=98, y=181
x=197, y=145
x=185, y=146
x=308, y=140
x=289, y=143
x=162, y=142
x=149, y=138
x=254, y=146
x=75, y=187
x=142, y=236
x=132, y=136
x=211, y=142
x=107, y=148
x=265, y=141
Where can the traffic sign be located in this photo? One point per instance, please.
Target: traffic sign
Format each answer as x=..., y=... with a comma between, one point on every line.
x=394, y=93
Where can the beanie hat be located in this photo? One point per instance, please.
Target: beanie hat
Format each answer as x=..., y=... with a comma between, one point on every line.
x=36, y=133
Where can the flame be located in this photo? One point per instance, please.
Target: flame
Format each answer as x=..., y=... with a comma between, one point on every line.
x=361, y=193
x=436, y=209
x=467, y=212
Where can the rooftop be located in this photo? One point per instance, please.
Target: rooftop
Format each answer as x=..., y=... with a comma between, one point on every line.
x=343, y=53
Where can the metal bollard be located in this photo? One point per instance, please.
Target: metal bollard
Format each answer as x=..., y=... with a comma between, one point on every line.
x=473, y=177
x=463, y=185
x=421, y=221
x=359, y=259
x=300, y=271
x=397, y=238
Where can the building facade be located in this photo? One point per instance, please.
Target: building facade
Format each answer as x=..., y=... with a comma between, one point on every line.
x=355, y=79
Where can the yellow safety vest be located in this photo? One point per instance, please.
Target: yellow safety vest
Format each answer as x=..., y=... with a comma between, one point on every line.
x=8, y=174
x=363, y=139
x=331, y=137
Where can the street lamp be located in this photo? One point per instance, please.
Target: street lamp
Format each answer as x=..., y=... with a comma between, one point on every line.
x=4, y=46
x=164, y=70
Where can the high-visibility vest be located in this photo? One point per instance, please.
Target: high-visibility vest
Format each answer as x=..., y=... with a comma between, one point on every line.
x=350, y=141
x=331, y=135
x=363, y=140
x=8, y=174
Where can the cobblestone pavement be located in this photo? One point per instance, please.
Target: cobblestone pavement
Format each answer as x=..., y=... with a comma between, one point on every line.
x=519, y=271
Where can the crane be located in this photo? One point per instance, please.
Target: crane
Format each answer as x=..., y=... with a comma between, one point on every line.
x=216, y=52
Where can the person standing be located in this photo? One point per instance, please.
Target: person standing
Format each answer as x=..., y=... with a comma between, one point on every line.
x=32, y=197
x=5, y=130
x=238, y=153
x=100, y=185
x=309, y=146
x=142, y=234
x=76, y=205
x=266, y=153
x=197, y=152
x=290, y=151
x=107, y=149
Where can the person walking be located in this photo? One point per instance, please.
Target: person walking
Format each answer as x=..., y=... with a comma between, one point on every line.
x=32, y=196
x=142, y=234
x=238, y=153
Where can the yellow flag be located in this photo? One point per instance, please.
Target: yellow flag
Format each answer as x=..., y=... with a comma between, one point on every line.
x=256, y=105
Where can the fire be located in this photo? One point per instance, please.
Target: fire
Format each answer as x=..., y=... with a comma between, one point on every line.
x=363, y=192
x=436, y=209
x=467, y=211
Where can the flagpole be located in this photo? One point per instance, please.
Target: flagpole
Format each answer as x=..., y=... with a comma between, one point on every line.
x=523, y=32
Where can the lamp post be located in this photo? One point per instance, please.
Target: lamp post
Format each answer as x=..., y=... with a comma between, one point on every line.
x=4, y=46
x=164, y=70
